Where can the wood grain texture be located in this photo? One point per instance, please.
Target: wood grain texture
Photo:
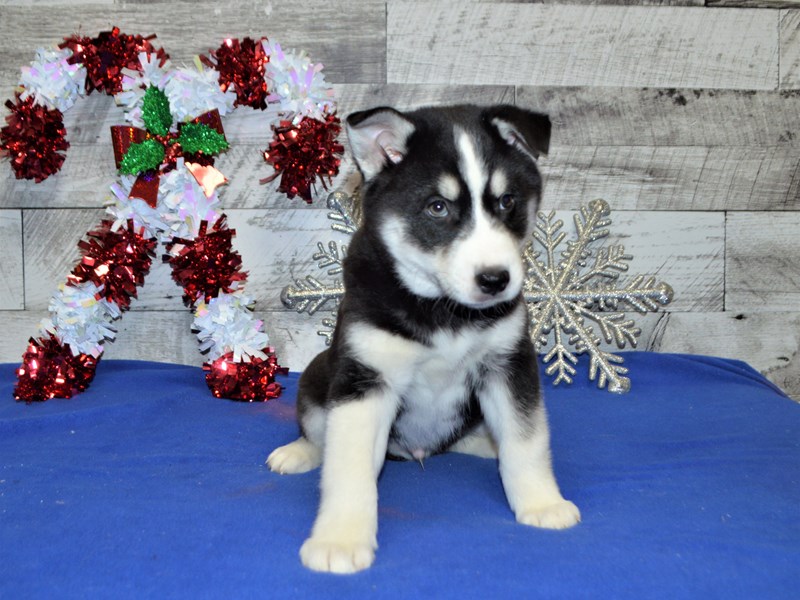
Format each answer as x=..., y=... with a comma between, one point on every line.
x=11, y=281
x=347, y=36
x=753, y=3
x=790, y=49
x=603, y=116
x=581, y=45
x=674, y=178
x=762, y=262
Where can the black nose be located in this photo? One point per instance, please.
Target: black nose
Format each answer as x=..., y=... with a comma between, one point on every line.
x=492, y=281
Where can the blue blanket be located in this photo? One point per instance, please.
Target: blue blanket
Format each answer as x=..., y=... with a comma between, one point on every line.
x=147, y=486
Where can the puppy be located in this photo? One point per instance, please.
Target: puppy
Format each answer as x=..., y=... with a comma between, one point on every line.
x=431, y=350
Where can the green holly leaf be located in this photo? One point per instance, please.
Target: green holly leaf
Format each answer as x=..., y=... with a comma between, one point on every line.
x=155, y=111
x=142, y=157
x=199, y=137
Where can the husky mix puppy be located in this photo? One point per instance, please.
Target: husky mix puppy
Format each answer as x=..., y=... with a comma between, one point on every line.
x=431, y=351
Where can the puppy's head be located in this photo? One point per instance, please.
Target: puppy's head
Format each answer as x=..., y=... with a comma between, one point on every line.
x=452, y=194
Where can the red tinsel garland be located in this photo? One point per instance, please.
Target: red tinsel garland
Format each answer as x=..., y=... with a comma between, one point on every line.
x=299, y=154
x=106, y=55
x=116, y=261
x=50, y=370
x=208, y=264
x=241, y=64
x=34, y=139
x=250, y=381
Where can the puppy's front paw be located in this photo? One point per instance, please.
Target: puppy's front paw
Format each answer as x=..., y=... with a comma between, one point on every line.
x=298, y=457
x=340, y=556
x=554, y=516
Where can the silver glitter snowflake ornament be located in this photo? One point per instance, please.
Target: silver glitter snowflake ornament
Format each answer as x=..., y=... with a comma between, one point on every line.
x=309, y=295
x=563, y=290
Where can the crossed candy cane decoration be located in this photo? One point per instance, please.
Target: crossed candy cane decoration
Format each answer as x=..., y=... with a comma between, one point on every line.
x=167, y=191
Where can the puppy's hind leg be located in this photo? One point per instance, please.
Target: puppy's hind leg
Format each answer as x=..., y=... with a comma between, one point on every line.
x=477, y=442
x=305, y=453
x=298, y=456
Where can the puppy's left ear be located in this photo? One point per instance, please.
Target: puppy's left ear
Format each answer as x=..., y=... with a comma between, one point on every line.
x=523, y=129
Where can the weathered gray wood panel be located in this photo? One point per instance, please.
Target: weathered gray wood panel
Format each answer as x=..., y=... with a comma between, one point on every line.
x=762, y=264
x=603, y=116
x=790, y=49
x=675, y=178
x=531, y=44
x=11, y=291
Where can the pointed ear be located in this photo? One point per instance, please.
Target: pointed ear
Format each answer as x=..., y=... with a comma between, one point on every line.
x=377, y=138
x=523, y=129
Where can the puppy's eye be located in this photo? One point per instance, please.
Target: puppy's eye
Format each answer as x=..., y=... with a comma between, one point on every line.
x=506, y=202
x=437, y=208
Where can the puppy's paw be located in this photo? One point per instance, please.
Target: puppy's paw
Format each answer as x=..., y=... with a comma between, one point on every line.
x=339, y=556
x=298, y=457
x=554, y=516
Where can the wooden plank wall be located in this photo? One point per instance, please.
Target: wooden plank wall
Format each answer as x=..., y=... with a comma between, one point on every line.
x=683, y=114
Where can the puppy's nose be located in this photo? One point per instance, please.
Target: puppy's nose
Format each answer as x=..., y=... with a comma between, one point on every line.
x=492, y=281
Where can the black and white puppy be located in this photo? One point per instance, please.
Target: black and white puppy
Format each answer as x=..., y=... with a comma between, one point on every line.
x=431, y=349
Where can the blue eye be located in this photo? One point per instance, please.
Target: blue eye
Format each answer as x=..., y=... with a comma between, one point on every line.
x=506, y=202
x=437, y=208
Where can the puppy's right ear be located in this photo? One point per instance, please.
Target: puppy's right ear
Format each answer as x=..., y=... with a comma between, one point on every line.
x=378, y=137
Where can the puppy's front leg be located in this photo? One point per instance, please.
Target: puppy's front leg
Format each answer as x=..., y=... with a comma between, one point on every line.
x=344, y=537
x=523, y=440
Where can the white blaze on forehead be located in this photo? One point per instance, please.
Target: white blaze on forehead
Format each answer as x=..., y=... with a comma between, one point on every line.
x=498, y=183
x=449, y=187
x=473, y=169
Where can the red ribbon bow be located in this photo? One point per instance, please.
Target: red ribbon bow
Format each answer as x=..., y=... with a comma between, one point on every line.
x=146, y=184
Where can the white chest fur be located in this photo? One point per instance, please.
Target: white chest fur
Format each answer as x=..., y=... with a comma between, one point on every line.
x=431, y=382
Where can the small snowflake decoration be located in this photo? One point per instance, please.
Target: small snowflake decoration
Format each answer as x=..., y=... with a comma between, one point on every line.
x=562, y=294
x=309, y=294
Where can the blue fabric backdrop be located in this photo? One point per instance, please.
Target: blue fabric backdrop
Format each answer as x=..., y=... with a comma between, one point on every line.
x=147, y=486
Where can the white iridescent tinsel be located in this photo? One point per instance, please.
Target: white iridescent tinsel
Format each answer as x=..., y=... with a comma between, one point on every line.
x=192, y=92
x=124, y=207
x=297, y=84
x=80, y=317
x=136, y=83
x=183, y=203
x=52, y=81
x=226, y=324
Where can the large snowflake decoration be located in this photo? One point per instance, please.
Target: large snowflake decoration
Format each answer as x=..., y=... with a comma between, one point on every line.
x=563, y=289
x=562, y=294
